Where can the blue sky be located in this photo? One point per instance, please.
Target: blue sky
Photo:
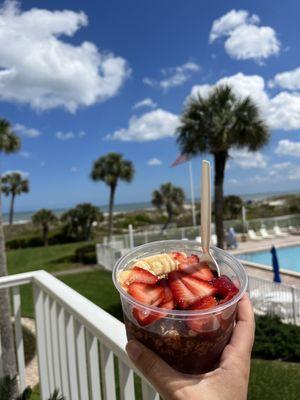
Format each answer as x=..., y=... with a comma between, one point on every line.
x=80, y=79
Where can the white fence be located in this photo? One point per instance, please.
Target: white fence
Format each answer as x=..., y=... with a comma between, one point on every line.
x=190, y=232
x=81, y=348
x=275, y=298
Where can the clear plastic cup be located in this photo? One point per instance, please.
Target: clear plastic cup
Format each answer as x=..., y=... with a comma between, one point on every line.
x=188, y=351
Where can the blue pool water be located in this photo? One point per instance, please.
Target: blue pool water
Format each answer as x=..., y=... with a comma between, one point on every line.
x=288, y=257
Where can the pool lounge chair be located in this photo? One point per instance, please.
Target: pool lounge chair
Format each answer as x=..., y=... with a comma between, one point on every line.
x=214, y=239
x=264, y=233
x=253, y=236
x=278, y=232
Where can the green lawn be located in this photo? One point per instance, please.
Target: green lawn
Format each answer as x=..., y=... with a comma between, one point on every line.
x=51, y=258
x=97, y=286
x=274, y=380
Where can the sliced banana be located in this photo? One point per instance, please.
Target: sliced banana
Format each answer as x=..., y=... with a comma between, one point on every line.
x=159, y=264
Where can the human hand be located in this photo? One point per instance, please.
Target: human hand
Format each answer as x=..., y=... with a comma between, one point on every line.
x=227, y=382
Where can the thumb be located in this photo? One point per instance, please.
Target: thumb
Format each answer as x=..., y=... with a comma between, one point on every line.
x=162, y=377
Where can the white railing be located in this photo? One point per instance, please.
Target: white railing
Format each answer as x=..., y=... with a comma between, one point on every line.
x=80, y=347
x=275, y=298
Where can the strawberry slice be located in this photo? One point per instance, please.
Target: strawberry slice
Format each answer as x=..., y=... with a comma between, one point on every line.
x=167, y=291
x=198, y=287
x=204, y=303
x=178, y=256
x=182, y=295
x=193, y=259
x=145, y=317
x=206, y=323
x=197, y=271
x=141, y=275
x=147, y=294
x=225, y=287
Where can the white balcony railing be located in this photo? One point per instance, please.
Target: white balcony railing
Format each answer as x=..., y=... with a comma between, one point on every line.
x=80, y=347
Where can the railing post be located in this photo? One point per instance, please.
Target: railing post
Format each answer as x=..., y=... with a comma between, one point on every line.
x=19, y=337
x=126, y=382
x=108, y=373
x=93, y=366
x=1, y=362
x=131, y=240
x=81, y=359
x=41, y=343
x=294, y=305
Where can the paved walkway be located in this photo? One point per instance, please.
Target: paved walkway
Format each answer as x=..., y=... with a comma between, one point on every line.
x=265, y=244
x=74, y=271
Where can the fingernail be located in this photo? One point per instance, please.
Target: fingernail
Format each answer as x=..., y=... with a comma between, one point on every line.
x=133, y=349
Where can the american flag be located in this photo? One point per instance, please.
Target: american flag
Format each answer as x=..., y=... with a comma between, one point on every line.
x=182, y=158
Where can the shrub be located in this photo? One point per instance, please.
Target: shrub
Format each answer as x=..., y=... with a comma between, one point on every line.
x=276, y=340
x=86, y=254
x=37, y=241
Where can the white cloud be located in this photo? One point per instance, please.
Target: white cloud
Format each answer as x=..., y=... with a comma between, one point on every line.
x=41, y=68
x=233, y=181
x=65, y=135
x=81, y=134
x=145, y=103
x=24, y=174
x=280, y=112
x=286, y=147
x=246, y=159
x=153, y=125
x=154, y=162
x=74, y=169
x=25, y=154
x=29, y=132
x=287, y=80
x=245, y=39
x=226, y=24
x=175, y=76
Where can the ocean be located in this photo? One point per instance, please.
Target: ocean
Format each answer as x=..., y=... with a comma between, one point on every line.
x=25, y=216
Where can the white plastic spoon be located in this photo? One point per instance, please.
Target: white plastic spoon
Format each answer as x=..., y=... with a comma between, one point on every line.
x=207, y=257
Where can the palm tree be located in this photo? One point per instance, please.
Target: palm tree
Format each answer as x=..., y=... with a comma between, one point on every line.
x=14, y=184
x=110, y=169
x=214, y=125
x=9, y=143
x=44, y=218
x=79, y=220
x=169, y=197
x=232, y=206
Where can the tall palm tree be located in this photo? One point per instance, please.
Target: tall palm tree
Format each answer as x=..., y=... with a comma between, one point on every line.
x=79, y=220
x=214, y=125
x=13, y=184
x=110, y=169
x=44, y=217
x=169, y=197
x=9, y=143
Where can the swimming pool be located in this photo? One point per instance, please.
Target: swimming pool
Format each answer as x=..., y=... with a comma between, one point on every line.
x=288, y=257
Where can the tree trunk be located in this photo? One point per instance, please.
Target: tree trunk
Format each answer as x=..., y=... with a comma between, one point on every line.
x=6, y=331
x=170, y=216
x=220, y=162
x=11, y=210
x=45, y=234
x=111, y=207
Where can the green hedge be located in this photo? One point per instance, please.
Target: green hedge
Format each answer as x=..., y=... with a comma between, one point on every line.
x=86, y=254
x=275, y=340
x=37, y=241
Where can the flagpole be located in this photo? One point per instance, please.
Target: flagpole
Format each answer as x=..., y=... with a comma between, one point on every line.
x=192, y=193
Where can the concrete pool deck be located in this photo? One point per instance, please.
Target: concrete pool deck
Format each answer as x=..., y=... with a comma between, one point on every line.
x=265, y=272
